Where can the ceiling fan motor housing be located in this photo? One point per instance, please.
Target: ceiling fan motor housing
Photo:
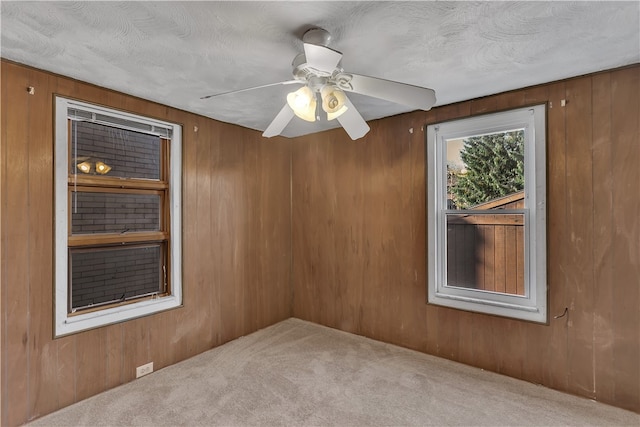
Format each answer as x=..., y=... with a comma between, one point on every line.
x=317, y=36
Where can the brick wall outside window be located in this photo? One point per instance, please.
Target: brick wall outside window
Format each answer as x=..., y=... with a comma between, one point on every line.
x=103, y=274
x=114, y=212
x=129, y=154
x=111, y=275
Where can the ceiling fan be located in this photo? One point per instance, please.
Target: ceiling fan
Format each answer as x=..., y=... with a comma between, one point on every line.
x=325, y=83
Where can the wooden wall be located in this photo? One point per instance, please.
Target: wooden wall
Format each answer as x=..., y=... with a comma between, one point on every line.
x=236, y=260
x=356, y=257
x=359, y=238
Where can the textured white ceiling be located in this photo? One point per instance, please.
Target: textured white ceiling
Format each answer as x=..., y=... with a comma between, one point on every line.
x=176, y=52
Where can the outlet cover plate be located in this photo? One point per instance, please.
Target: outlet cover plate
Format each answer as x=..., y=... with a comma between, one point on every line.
x=143, y=370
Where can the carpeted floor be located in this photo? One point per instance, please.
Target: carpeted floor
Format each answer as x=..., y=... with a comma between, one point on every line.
x=297, y=373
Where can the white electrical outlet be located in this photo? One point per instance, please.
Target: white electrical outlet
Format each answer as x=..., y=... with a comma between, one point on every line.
x=143, y=370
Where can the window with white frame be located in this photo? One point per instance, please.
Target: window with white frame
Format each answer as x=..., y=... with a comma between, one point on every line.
x=117, y=216
x=486, y=215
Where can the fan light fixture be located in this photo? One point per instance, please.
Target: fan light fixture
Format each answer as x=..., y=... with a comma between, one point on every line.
x=303, y=103
x=333, y=101
x=319, y=69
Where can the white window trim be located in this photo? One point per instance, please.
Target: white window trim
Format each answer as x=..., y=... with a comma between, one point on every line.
x=63, y=323
x=533, y=305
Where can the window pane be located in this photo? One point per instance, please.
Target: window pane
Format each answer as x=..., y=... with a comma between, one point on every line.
x=483, y=168
x=485, y=220
x=101, y=276
x=93, y=213
x=486, y=252
x=107, y=151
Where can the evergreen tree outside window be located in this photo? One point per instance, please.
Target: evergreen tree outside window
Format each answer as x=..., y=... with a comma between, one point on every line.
x=493, y=168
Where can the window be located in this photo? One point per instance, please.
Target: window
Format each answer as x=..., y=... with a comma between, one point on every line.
x=486, y=193
x=117, y=216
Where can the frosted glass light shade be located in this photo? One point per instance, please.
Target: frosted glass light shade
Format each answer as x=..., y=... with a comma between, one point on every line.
x=303, y=103
x=333, y=101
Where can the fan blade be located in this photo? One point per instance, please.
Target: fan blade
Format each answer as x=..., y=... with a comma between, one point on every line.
x=321, y=58
x=280, y=122
x=352, y=122
x=288, y=82
x=400, y=93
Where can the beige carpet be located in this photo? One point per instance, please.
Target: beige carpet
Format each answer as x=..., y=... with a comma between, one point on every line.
x=297, y=373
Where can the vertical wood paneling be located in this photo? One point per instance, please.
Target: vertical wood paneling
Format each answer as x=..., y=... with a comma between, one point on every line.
x=161, y=352
x=320, y=204
x=399, y=240
x=579, y=228
x=368, y=248
x=233, y=238
x=114, y=350
x=370, y=292
x=251, y=239
x=181, y=336
x=16, y=236
x=215, y=223
x=564, y=354
x=66, y=370
x=274, y=228
x=357, y=248
x=226, y=228
x=555, y=374
x=135, y=346
x=91, y=363
x=625, y=128
x=42, y=378
x=40, y=374
x=198, y=300
x=353, y=305
x=603, y=334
